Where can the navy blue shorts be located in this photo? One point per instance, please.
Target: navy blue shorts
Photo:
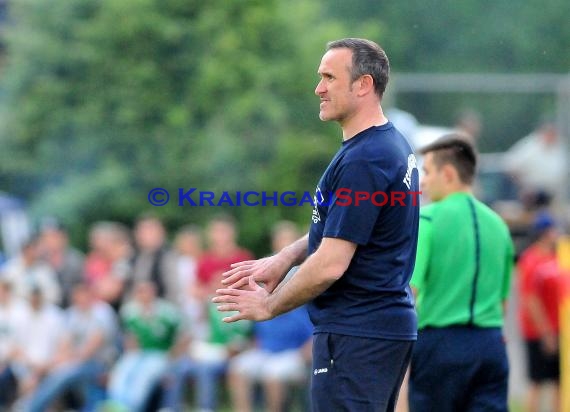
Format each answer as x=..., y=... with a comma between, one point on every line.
x=354, y=374
x=459, y=369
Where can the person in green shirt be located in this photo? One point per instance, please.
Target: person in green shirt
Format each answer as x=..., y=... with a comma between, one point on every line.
x=205, y=362
x=152, y=327
x=461, y=280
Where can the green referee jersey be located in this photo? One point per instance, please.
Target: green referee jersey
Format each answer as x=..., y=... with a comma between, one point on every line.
x=464, y=264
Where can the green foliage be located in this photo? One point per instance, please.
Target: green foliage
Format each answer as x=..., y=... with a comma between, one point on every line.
x=467, y=36
x=104, y=100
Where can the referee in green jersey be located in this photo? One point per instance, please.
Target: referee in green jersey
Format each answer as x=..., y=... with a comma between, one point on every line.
x=462, y=279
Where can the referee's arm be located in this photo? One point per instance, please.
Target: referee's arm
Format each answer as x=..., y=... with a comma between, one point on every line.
x=422, y=254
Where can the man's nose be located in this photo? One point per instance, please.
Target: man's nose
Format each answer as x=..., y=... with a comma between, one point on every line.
x=320, y=89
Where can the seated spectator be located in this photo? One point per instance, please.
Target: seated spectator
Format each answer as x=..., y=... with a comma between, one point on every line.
x=83, y=358
x=38, y=338
x=152, y=259
x=282, y=347
x=206, y=362
x=538, y=161
x=187, y=252
x=468, y=123
x=27, y=272
x=66, y=261
x=107, y=267
x=222, y=252
x=281, y=355
x=13, y=314
x=151, y=325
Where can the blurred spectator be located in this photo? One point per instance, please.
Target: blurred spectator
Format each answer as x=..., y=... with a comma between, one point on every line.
x=538, y=312
x=206, y=362
x=27, y=272
x=37, y=341
x=107, y=266
x=13, y=314
x=66, y=261
x=468, y=123
x=538, y=161
x=222, y=252
x=282, y=347
x=152, y=326
x=88, y=349
x=187, y=252
x=151, y=261
x=283, y=234
x=281, y=355
x=404, y=121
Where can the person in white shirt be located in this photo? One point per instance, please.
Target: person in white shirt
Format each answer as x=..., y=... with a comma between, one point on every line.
x=37, y=340
x=538, y=161
x=13, y=313
x=85, y=354
x=183, y=278
x=27, y=272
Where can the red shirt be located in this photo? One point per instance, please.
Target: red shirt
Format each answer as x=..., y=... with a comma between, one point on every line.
x=211, y=266
x=530, y=260
x=96, y=267
x=546, y=282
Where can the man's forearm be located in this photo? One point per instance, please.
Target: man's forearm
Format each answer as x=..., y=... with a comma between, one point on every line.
x=305, y=285
x=91, y=347
x=315, y=275
x=296, y=252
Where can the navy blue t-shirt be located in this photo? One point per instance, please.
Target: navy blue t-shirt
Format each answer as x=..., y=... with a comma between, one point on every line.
x=372, y=298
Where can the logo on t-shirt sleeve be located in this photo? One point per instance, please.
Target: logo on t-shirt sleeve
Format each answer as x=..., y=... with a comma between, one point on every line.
x=412, y=164
x=317, y=200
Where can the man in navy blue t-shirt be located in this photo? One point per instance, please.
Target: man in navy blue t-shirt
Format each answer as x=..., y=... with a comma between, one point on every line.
x=359, y=255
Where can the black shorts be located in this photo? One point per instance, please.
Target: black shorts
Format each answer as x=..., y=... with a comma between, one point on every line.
x=542, y=366
x=357, y=374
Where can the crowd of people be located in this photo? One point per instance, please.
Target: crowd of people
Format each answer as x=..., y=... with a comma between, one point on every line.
x=130, y=326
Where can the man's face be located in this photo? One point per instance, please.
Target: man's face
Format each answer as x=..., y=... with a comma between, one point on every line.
x=81, y=298
x=145, y=293
x=432, y=179
x=338, y=99
x=221, y=235
x=54, y=240
x=551, y=236
x=31, y=252
x=149, y=235
x=4, y=292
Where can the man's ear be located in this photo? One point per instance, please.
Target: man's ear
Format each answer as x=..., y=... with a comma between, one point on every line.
x=366, y=85
x=449, y=173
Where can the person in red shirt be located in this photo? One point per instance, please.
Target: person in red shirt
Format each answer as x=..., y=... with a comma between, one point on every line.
x=107, y=268
x=538, y=313
x=222, y=252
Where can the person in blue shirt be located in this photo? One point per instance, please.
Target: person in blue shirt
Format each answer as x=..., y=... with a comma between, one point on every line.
x=358, y=257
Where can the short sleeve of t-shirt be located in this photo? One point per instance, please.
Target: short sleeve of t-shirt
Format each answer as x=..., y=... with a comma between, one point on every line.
x=354, y=206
